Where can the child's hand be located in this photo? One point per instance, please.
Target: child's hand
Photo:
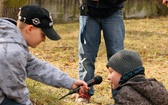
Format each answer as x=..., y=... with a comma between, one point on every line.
x=164, y=2
x=82, y=84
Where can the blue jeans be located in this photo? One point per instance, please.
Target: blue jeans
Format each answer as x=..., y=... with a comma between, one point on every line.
x=8, y=101
x=90, y=39
x=82, y=26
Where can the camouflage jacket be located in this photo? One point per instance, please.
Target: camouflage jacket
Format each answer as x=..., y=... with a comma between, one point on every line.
x=17, y=63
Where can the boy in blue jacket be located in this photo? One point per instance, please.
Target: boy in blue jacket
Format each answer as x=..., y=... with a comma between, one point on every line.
x=16, y=62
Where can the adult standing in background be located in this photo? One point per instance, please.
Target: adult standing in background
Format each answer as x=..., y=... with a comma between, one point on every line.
x=105, y=15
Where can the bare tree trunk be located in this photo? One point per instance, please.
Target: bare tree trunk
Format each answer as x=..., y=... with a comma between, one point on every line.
x=1, y=7
x=74, y=8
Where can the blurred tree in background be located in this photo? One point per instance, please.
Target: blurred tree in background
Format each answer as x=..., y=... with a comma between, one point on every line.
x=68, y=10
x=144, y=8
x=10, y=8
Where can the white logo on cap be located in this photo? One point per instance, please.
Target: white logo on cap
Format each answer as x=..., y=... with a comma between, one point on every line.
x=36, y=21
x=51, y=24
x=51, y=17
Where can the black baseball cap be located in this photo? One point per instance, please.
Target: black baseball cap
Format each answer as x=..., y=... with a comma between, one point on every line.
x=38, y=17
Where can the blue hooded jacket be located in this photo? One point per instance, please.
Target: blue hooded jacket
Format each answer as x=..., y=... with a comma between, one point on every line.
x=17, y=63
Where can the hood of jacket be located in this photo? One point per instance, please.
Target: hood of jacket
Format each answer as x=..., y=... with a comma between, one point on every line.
x=9, y=33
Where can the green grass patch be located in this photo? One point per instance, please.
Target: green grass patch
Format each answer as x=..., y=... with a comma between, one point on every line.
x=147, y=36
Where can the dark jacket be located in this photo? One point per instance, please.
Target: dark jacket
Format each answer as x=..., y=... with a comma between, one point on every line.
x=104, y=8
x=106, y=3
x=141, y=91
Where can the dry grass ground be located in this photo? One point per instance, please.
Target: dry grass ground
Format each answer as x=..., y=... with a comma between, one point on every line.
x=147, y=36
